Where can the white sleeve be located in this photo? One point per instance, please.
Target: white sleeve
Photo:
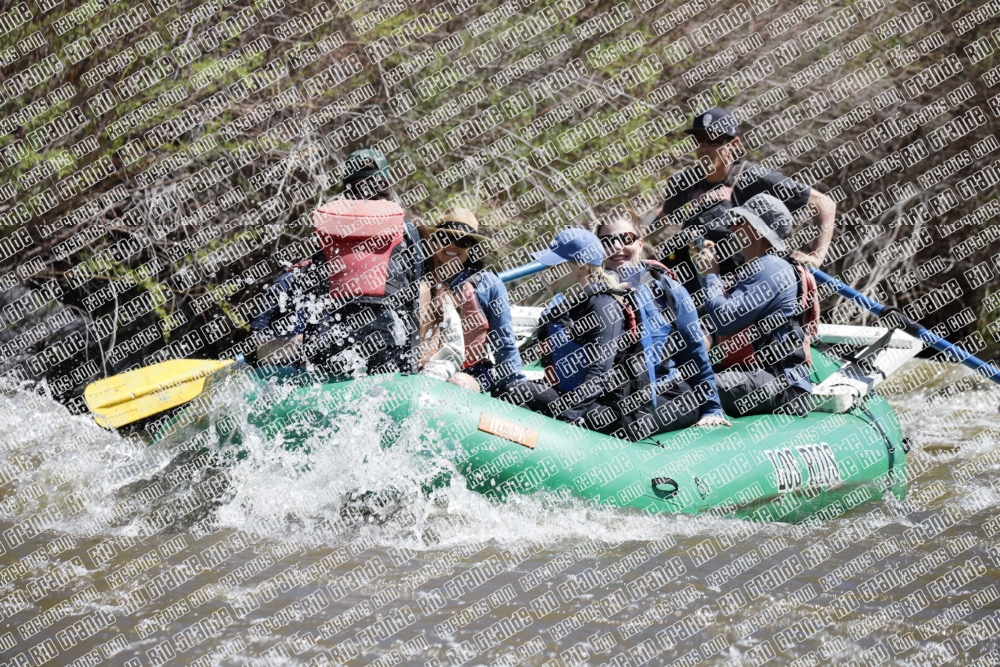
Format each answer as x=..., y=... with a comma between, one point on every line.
x=449, y=358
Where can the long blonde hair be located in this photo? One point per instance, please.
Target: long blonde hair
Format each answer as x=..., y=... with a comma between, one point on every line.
x=597, y=276
x=601, y=276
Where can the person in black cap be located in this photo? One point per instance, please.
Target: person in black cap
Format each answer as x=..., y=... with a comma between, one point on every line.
x=699, y=200
x=762, y=315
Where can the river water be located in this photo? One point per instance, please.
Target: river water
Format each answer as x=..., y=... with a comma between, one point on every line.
x=116, y=554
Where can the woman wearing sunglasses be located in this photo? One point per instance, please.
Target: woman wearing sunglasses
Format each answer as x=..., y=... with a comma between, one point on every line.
x=674, y=337
x=491, y=356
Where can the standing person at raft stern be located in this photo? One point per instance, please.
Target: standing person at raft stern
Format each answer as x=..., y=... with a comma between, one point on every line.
x=372, y=258
x=589, y=338
x=491, y=356
x=765, y=301
x=700, y=197
x=674, y=336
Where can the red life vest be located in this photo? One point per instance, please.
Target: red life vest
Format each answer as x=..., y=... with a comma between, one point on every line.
x=809, y=303
x=359, y=239
x=475, y=326
x=739, y=347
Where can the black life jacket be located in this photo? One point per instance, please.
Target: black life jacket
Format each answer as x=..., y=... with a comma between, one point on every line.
x=658, y=315
x=629, y=379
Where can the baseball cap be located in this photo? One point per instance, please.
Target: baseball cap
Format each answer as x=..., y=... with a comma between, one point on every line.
x=572, y=245
x=769, y=216
x=715, y=122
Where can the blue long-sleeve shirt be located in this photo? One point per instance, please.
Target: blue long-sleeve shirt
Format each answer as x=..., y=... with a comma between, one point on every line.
x=767, y=285
x=693, y=344
x=494, y=301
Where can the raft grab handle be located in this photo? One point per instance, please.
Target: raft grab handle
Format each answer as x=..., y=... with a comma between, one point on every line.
x=664, y=493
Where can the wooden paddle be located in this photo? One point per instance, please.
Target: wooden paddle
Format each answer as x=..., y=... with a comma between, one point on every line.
x=129, y=397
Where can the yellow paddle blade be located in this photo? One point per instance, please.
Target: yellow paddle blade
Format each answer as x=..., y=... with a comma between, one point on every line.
x=148, y=405
x=129, y=397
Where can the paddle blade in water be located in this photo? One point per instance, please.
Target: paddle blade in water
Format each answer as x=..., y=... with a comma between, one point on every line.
x=129, y=397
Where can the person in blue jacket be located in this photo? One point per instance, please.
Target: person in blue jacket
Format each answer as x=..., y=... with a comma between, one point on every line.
x=765, y=298
x=669, y=314
x=590, y=344
x=491, y=355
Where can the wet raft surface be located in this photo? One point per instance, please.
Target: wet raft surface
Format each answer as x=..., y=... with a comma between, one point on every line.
x=341, y=550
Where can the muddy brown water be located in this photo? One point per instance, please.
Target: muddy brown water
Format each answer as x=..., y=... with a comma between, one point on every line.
x=113, y=555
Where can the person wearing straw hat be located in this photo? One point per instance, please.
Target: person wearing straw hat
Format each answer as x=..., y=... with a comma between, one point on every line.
x=442, y=344
x=455, y=245
x=764, y=300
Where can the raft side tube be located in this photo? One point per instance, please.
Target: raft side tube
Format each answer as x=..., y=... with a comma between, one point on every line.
x=768, y=467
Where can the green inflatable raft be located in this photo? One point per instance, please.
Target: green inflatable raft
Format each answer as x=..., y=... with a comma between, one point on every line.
x=767, y=468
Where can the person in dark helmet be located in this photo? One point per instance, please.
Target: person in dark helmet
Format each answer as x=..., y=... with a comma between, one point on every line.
x=356, y=301
x=765, y=303
x=366, y=175
x=699, y=197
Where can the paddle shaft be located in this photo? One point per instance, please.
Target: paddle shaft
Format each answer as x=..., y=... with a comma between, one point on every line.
x=913, y=327
x=519, y=272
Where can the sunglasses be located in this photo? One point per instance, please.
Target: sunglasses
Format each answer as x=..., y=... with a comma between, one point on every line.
x=615, y=242
x=464, y=242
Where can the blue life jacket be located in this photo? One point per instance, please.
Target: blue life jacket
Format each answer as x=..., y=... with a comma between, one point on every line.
x=654, y=301
x=655, y=330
